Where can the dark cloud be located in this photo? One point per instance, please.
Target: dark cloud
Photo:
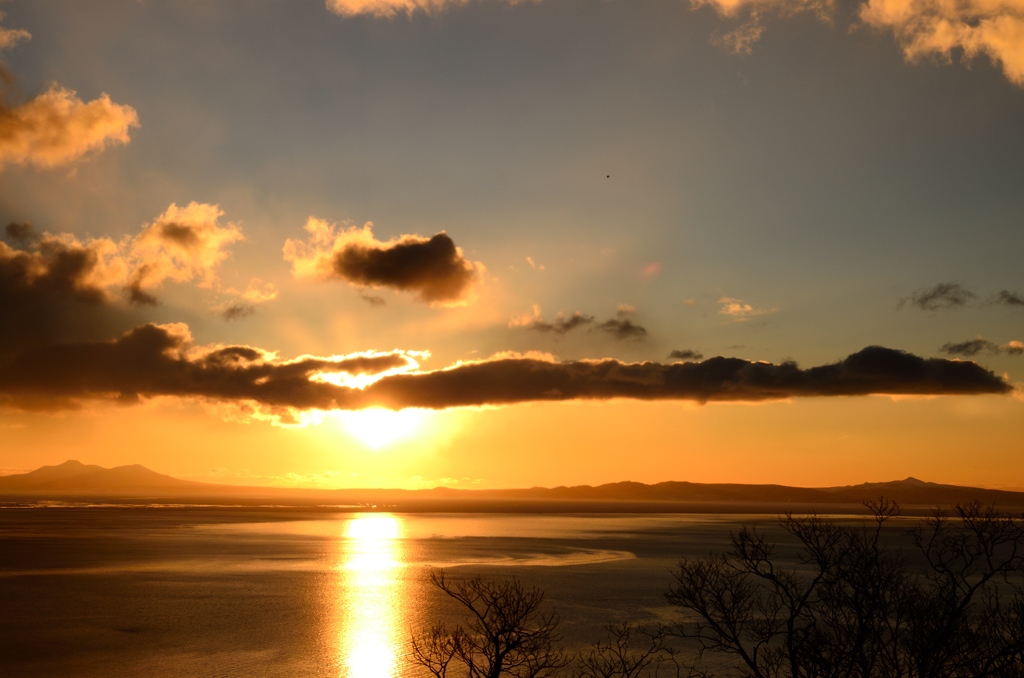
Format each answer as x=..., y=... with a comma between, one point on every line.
x=21, y=234
x=975, y=346
x=54, y=290
x=941, y=296
x=686, y=354
x=874, y=370
x=1008, y=298
x=433, y=269
x=622, y=328
x=134, y=293
x=561, y=325
x=156, y=360
x=237, y=311
x=159, y=360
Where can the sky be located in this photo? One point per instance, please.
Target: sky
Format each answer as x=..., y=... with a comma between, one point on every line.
x=482, y=243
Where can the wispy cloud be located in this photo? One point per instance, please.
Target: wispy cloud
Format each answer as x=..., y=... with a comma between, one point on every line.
x=973, y=347
x=388, y=8
x=686, y=355
x=622, y=328
x=618, y=328
x=741, y=311
x=433, y=269
x=1008, y=298
x=945, y=295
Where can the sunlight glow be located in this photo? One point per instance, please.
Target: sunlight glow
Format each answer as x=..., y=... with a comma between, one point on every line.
x=371, y=601
x=378, y=428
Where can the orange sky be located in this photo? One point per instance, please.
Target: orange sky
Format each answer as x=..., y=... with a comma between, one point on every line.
x=569, y=242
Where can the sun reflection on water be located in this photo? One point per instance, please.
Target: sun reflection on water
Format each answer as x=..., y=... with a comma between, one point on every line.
x=371, y=597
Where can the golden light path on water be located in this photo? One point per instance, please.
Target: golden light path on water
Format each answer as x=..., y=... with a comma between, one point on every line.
x=371, y=596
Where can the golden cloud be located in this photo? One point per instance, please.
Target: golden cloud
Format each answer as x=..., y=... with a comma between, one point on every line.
x=994, y=28
x=57, y=128
x=184, y=243
x=386, y=8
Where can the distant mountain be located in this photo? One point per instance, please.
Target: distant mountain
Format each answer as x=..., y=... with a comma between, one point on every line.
x=73, y=478
x=907, y=492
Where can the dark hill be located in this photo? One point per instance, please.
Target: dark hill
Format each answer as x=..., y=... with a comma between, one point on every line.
x=73, y=478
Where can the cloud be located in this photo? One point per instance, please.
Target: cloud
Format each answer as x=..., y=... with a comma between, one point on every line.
x=686, y=354
x=941, y=296
x=60, y=288
x=994, y=28
x=621, y=328
x=237, y=311
x=562, y=325
x=258, y=292
x=184, y=243
x=625, y=309
x=740, y=311
x=922, y=28
x=388, y=8
x=161, y=360
x=9, y=37
x=57, y=128
x=874, y=370
x=20, y=234
x=753, y=12
x=433, y=269
x=975, y=346
x=1008, y=298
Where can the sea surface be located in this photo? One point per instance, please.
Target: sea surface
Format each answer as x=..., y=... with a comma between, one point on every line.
x=101, y=591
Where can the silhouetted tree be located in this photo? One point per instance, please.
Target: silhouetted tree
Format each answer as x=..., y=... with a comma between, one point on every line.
x=631, y=651
x=507, y=633
x=852, y=608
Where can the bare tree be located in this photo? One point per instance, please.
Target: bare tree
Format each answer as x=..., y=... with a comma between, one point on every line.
x=852, y=608
x=507, y=633
x=631, y=651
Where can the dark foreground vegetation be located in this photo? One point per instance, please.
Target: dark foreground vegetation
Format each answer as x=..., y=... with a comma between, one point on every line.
x=951, y=607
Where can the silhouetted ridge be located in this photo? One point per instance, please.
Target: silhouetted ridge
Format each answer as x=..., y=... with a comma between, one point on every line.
x=74, y=478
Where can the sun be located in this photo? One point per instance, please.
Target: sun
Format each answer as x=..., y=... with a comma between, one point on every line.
x=377, y=428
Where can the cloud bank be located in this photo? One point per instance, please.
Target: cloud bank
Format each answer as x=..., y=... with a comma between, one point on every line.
x=433, y=269
x=161, y=360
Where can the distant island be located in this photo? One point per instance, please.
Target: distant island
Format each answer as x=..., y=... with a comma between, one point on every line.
x=75, y=481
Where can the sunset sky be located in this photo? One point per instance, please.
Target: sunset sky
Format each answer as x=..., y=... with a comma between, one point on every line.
x=409, y=243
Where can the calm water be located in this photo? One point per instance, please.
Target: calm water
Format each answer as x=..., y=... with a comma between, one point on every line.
x=270, y=592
